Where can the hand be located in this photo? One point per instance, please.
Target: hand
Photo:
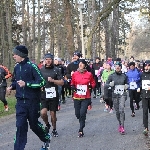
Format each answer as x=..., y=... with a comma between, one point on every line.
x=112, y=83
x=74, y=89
x=21, y=83
x=72, y=73
x=138, y=90
x=89, y=87
x=9, y=90
x=149, y=88
x=126, y=86
x=50, y=79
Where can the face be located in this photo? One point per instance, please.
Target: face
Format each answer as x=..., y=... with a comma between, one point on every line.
x=108, y=66
x=56, y=62
x=81, y=65
x=147, y=67
x=117, y=68
x=104, y=65
x=75, y=57
x=48, y=61
x=97, y=60
x=17, y=58
x=132, y=67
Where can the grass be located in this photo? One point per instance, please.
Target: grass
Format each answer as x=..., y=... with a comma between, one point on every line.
x=11, y=104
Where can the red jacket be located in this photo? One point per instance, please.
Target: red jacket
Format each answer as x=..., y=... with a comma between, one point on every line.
x=82, y=81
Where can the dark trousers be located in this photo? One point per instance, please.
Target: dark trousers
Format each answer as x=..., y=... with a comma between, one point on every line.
x=28, y=110
x=80, y=111
x=63, y=93
x=133, y=96
x=109, y=102
x=2, y=95
x=97, y=87
x=146, y=106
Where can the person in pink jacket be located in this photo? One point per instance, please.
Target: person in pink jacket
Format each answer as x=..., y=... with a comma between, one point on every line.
x=82, y=83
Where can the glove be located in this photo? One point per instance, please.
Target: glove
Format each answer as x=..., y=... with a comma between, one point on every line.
x=89, y=87
x=74, y=89
x=138, y=90
x=126, y=86
x=111, y=84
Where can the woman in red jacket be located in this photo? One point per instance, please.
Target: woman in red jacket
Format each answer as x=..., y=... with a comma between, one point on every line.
x=82, y=82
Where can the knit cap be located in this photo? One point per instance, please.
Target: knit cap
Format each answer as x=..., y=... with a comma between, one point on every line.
x=21, y=51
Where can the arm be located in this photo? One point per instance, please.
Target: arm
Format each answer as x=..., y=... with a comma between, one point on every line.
x=59, y=80
x=38, y=80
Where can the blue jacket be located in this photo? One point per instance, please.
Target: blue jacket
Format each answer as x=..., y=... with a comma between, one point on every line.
x=133, y=76
x=31, y=75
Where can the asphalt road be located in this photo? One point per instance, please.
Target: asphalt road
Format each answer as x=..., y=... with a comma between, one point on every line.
x=100, y=131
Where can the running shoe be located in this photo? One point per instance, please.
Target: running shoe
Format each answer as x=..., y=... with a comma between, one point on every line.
x=145, y=132
x=6, y=108
x=106, y=110
x=133, y=114
x=119, y=128
x=122, y=131
x=94, y=96
x=80, y=134
x=46, y=145
x=54, y=133
x=111, y=111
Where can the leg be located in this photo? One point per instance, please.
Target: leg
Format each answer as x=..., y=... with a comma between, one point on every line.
x=145, y=112
x=77, y=106
x=116, y=107
x=53, y=119
x=131, y=95
x=122, y=100
x=2, y=95
x=22, y=127
x=83, y=110
x=44, y=115
x=35, y=125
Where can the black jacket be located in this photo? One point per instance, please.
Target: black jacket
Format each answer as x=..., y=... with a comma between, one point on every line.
x=145, y=76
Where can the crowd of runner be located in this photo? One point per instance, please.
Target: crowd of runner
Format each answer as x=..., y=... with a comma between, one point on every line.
x=54, y=80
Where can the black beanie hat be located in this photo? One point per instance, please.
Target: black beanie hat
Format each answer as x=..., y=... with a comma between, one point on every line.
x=77, y=53
x=21, y=51
x=132, y=63
x=49, y=55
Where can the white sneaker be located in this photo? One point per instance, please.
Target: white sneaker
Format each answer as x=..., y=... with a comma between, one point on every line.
x=111, y=111
x=6, y=107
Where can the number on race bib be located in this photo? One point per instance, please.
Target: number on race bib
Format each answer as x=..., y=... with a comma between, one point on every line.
x=81, y=89
x=50, y=92
x=119, y=89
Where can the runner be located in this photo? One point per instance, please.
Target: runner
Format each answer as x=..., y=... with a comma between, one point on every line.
x=50, y=95
x=118, y=82
x=82, y=82
x=27, y=81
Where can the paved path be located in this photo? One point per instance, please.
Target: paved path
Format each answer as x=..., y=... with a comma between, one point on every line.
x=100, y=131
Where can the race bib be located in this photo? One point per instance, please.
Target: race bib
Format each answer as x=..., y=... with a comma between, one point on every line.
x=145, y=84
x=50, y=92
x=81, y=89
x=133, y=85
x=119, y=89
x=96, y=72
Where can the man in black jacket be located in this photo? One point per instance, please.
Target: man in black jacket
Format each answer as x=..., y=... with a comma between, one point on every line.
x=145, y=80
x=95, y=67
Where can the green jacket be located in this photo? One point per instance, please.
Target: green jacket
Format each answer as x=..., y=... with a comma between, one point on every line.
x=106, y=74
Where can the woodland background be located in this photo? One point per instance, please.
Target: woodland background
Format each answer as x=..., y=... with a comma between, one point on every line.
x=111, y=28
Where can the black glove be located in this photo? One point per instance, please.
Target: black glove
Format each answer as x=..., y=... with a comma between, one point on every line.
x=89, y=87
x=73, y=88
